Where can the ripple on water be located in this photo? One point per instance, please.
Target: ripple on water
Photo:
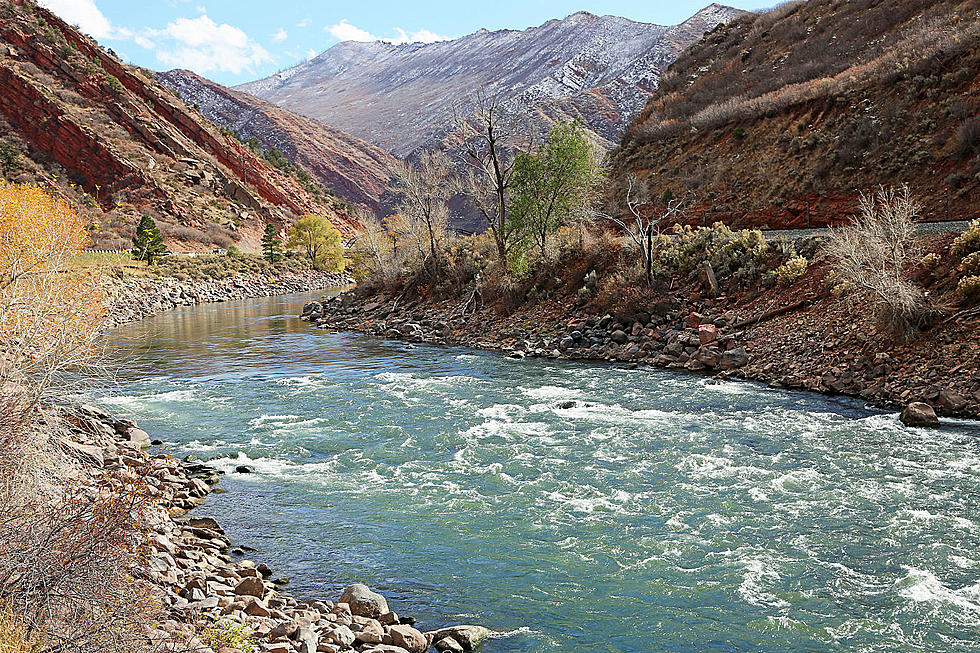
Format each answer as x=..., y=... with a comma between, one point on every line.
x=573, y=507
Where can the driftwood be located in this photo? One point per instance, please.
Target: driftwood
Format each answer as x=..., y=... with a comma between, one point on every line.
x=709, y=274
x=771, y=314
x=968, y=313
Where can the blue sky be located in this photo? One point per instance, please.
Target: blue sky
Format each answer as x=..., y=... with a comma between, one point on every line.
x=234, y=41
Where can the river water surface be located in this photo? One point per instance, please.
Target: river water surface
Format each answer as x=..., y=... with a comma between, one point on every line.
x=575, y=507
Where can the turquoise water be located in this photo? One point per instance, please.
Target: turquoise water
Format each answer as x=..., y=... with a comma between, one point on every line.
x=573, y=507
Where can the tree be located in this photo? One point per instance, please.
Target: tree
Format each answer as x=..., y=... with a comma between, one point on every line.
x=321, y=242
x=271, y=244
x=490, y=136
x=549, y=185
x=148, y=243
x=645, y=224
x=425, y=190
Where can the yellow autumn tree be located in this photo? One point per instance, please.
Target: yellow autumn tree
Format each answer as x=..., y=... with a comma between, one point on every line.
x=320, y=240
x=51, y=311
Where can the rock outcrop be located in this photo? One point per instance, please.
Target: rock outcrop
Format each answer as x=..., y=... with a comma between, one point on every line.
x=352, y=168
x=117, y=144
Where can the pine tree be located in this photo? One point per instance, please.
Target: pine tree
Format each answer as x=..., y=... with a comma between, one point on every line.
x=271, y=244
x=148, y=243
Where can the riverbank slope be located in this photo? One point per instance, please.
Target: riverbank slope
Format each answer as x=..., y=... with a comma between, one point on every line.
x=789, y=337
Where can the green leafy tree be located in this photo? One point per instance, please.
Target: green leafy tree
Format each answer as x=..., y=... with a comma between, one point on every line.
x=549, y=186
x=271, y=244
x=320, y=240
x=148, y=243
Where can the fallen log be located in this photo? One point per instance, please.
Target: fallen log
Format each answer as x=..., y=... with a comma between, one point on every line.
x=771, y=314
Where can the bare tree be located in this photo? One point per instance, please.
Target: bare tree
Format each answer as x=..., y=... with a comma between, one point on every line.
x=876, y=253
x=490, y=136
x=643, y=225
x=425, y=188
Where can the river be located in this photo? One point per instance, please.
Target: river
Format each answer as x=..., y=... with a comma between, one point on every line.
x=574, y=507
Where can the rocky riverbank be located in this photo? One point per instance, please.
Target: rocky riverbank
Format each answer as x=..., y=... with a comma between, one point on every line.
x=202, y=578
x=135, y=298
x=788, y=340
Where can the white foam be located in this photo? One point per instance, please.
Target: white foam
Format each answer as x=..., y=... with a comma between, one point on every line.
x=922, y=586
x=551, y=392
x=751, y=589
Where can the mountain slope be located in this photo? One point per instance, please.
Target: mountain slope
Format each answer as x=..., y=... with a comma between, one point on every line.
x=117, y=144
x=400, y=97
x=352, y=168
x=784, y=118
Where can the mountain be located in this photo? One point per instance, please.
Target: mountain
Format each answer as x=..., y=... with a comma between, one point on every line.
x=784, y=118
x=353, y=169
x=400, y=97
x=117, y=144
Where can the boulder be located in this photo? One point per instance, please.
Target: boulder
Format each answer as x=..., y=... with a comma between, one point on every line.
x=707, y=333
x=734, y=358
x=408, y=638
x=250, y=587
x=619, y=336
x=449, y=645
x=363, y=602
x=919, y=414
x=469, y=637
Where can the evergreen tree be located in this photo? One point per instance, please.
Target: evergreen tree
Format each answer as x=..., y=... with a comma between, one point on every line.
x=271, y=244
x=148, y=243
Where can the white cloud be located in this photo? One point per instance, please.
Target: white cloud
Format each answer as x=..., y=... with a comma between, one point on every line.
x=344, y=31
x=279, y=36
x=203, y=46
x=87, y=16
x=306, y=22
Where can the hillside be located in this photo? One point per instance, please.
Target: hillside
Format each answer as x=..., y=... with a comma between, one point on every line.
x=353, y=169
x=117, y=144
x=783, y=118
x=400, y=97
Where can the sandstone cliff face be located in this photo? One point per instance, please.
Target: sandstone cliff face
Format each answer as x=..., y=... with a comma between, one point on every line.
x=117, y=144
x=784, y=118
x=352, y=168
x=400, y=97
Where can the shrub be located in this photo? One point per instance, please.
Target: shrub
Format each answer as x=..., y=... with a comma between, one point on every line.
x=791, y=270
x=967, y=242
x=876, y=253
x=233, y=252
x=739, y=255
x=930, y=261
x=114, y=83
x=968, y=137
x=969, y=287
x=229, y=634
x=9, y=158
x=971, y=263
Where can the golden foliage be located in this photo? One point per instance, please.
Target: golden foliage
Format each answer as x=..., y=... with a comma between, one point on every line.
x=50, y=313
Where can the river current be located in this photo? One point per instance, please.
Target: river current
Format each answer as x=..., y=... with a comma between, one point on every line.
x=569, y=507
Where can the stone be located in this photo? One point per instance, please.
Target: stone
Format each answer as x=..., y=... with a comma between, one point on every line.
x=137, y=436
x=469, y=637
x=619, y=336
x=363, y=602
x=734, y=358
x=308, y=641
x=264, y=569
x=408, y=638
x=449, y=645
x=707, y=333
x=250, y=587
x=342, y=635
x=244, y=469
x=256, y=608
x=918, y=413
